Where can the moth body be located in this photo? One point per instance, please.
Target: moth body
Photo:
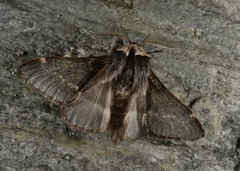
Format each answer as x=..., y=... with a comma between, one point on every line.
x=130, y=80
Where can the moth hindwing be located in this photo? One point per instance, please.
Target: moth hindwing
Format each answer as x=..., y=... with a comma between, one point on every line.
x=118, y=92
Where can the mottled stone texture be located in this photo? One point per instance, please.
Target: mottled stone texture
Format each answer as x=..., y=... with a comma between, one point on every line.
x=203, y=71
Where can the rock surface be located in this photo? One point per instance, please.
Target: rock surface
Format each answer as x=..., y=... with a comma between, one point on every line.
x=203, y=71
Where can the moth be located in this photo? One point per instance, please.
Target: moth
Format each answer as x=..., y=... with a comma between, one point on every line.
x=117, y=92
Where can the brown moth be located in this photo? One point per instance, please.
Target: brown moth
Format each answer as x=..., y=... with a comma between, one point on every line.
x=118, y=92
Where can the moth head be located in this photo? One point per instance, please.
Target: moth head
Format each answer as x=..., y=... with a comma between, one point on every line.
x=131, y=46
x=136, y=48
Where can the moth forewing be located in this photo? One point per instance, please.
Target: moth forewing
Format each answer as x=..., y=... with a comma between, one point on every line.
x=167, y=116
x=90, y=112
x=60, y=79
x=133, y=118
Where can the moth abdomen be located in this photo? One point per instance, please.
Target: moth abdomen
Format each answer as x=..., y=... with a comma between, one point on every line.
x=118, y=113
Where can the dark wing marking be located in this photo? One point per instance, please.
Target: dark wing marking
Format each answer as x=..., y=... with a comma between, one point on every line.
x=90, y=112
x=61, y=79
x=167, y=116
x=133, y=118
